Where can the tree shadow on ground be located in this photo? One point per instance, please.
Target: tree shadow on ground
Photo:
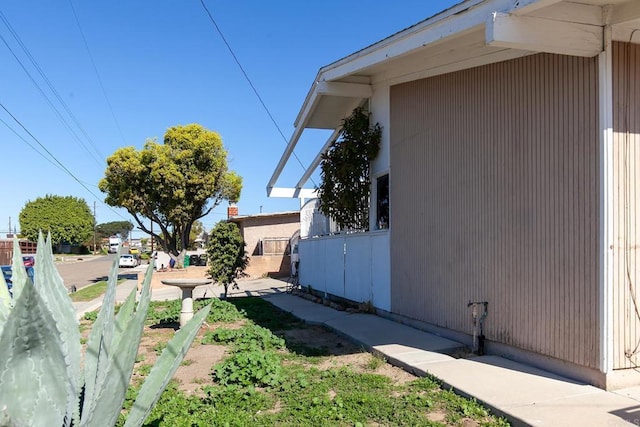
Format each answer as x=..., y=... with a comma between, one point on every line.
x=300, y=337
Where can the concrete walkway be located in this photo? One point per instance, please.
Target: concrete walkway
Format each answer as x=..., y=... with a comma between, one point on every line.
x=521, y=393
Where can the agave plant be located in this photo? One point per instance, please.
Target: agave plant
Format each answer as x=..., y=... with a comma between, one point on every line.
x=44, y=378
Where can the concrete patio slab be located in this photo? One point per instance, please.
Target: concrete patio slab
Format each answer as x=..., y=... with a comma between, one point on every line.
x=595, y=409
x=504, y=383
x=306, y=310
x=399, y=356
x=371, y=331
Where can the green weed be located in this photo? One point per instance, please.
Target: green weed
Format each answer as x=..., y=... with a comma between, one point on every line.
x=159, y=347
x=262, y=382
x=163, y=312
x=144, y=369
x=248, y=337
x=375, y=361
x=91, y=316
x=265, y=314
x=249, y=368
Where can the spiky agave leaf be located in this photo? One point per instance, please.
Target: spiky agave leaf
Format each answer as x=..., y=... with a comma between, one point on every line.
x=99, y=345
x=47, y=253
x=50, y=287
x=164, y=368
x=19, y=277
x=110, y=392
x=126, y=311
x=5, y=302
x=34, y=383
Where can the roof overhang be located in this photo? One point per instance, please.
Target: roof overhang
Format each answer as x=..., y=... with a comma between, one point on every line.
x=242, y=218
x=469, y=34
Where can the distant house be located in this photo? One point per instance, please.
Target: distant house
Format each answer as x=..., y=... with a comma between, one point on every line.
x=509, y=168
x=6, y=249
x=268, y=237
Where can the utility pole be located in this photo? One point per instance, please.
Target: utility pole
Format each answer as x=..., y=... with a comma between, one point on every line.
x=152, y=236
x=94, y=227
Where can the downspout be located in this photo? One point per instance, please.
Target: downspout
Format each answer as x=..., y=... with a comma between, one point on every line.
x=606, y=202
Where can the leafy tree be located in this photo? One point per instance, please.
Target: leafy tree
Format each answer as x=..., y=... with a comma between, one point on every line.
x=172, y=184
x=226, y=254
x=122, y=228
x=346, y=184
x=68, y=219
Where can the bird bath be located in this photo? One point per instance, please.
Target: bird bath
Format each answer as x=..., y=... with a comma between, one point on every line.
x=187, y=286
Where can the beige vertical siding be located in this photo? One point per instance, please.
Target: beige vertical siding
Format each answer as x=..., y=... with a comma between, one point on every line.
x=494, y=197
x=626, y=98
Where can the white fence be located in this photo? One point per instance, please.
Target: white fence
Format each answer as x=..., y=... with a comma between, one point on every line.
x=352, y=266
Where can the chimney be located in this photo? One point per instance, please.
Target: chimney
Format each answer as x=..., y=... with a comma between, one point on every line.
x=232, y=210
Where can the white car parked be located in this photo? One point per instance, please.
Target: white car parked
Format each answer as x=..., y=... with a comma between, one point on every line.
x=127, y=260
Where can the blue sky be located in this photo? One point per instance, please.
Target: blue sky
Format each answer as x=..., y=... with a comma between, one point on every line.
x=162, y=63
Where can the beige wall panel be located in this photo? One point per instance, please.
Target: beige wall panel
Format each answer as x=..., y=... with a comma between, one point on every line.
x=494, y=198
x=626, y=101
x=256, y=228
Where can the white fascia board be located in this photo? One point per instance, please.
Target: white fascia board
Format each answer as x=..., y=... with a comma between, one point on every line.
x=285, y=157
x=521, y=7
x=464, y=17
x=293, y=193
x=318, y=158
x=352, y=90
x=625, y=12
x=355, y=90
x=308, y=101
x=543, y=35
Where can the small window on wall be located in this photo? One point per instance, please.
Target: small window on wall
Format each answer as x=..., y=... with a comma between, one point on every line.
x=382, y=202
x=275, y=245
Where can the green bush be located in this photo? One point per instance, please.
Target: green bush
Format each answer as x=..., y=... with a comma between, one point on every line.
x=250, y=368
x=248, y=337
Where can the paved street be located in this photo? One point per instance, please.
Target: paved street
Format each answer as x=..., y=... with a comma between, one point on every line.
x=83, y=271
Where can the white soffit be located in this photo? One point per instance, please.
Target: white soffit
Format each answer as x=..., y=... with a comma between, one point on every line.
x=625, y=19
x=333, y=101
x=469, y=34
x=543, y=35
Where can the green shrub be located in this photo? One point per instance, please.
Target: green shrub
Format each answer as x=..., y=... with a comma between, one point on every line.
x=248, y=337
x=91, y=316
x=250, y=368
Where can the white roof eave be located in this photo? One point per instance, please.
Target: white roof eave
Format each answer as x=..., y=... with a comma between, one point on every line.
x=509, y=24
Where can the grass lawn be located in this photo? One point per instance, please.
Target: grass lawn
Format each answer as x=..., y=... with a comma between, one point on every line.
x=253, y=364
x=91, y=292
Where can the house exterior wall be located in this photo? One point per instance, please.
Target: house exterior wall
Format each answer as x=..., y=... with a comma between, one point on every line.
x=255, y=228
x=626, y=199
x=494, y=196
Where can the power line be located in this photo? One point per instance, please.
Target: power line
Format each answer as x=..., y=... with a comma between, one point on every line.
x=95, y=68
x=30, y=145
x=63, y=167
x=53, y=107
x=246, y=76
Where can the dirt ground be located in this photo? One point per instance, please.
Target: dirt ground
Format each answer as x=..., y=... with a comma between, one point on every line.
x=195, y=370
